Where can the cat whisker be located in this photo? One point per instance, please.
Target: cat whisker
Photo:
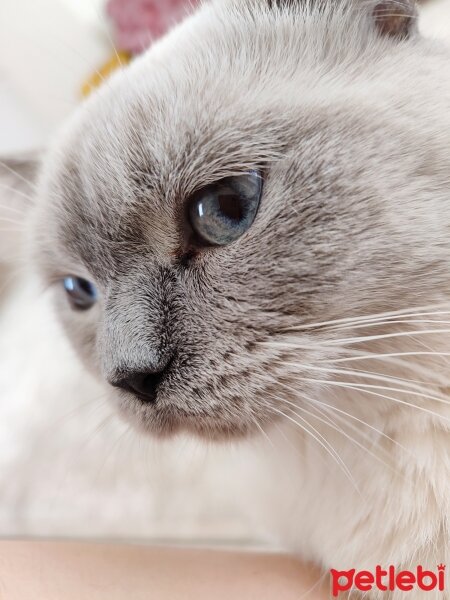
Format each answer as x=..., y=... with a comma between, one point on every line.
x=422, y=342
x=12, y=222
x=113, y=449
x=297, y=449
x=322, y=442
x=361, y=421
x=292, y=342
x=263, y=433
x=409, y=312
x=16, y=192
x=95, y=432
x=355, y=385
x=382, y=323
x=104, y=25
x=12, y=209
x=416, y=384
x=386, y=336
x=17, y=175
x=11, y=229
x=382, y=356
x=328, y=422
x=93, y=404
x=340, y=411
x=364, y=390
x=434, y=368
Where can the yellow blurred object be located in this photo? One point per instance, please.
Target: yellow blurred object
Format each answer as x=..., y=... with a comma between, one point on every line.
x=118, y=60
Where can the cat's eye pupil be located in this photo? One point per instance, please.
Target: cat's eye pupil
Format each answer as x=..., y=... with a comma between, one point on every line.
x=230, y=206
x=221, y=213
x=81, y=293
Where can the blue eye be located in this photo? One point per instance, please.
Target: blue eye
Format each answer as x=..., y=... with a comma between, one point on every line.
x=222, y=212
x=82, y=294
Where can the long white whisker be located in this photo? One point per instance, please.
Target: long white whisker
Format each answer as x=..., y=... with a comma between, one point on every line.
x=329, y=423
x=18, y=224
x=416, y=384
x=386, y=336
x=17, y=174
x=325, y=444
x=415, y=312
x=440, y=379
x=103, y=23
x=397, y=400
x=377, y=387
x=364, y=423
x=12, y=209
x=263, y=433
x=291, y=343
x=381, y=323
x=321, y=403
x=16, y=192
x=382, y=356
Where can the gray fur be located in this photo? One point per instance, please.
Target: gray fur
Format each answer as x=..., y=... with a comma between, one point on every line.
x=357, y=168
x=351, y=129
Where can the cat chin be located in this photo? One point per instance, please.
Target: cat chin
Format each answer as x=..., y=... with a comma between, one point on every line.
x=171, y=421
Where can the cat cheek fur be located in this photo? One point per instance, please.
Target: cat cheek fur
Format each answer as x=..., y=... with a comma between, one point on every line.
x=346, y=111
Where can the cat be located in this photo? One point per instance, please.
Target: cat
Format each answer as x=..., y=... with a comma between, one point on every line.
x=246, y=235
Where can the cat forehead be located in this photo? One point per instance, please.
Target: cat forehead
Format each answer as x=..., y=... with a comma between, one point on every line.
x=212, y=99
x=171, y=119
x=138, y=162
x=160, y=131
x=123, y=178
x=214, y=90
x=220, y=82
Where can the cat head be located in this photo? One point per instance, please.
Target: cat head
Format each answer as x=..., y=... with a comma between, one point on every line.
x=266, y=168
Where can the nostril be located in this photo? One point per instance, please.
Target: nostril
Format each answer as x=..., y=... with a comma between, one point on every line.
x=144, y=385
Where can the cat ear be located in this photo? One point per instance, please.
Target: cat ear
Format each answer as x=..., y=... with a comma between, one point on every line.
x=396, y=18
x=17, y=185
x=392, y=18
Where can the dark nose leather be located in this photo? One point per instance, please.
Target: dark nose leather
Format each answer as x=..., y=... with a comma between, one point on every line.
x=143, y=384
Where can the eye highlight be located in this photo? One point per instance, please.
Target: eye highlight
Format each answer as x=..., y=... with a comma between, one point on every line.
x=82, y=294
x=222, y=212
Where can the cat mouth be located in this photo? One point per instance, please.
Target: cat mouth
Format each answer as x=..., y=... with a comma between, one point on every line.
x=164, y=418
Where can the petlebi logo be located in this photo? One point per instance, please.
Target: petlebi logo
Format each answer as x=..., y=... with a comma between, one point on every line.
x=388, y=580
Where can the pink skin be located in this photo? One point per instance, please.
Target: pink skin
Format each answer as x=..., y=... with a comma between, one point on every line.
x=140, y=22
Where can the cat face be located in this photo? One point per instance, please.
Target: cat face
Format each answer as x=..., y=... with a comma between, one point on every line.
x=260, y=171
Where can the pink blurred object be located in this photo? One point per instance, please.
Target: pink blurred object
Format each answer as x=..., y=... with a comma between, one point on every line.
x=140, y=22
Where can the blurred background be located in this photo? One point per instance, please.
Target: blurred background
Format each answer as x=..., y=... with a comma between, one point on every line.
x=48, y=48
x=68, y=466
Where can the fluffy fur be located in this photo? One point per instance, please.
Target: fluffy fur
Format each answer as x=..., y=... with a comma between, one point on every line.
x=326, y=325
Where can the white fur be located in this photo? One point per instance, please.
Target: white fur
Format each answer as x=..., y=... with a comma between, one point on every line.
x=69, y=467
x=56, y=483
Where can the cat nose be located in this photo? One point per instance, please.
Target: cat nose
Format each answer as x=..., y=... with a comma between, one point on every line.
x=143, y=384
